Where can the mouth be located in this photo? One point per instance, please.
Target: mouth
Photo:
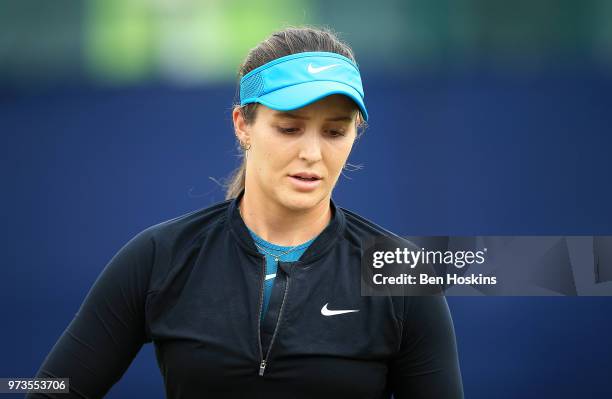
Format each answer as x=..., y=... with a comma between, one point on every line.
x=305, y=181
x=305, y=176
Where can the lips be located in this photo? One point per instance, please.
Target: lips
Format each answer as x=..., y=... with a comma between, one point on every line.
x=306, y=176
x=305, y=181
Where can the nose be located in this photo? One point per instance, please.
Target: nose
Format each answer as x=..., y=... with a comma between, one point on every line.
x=310, y=147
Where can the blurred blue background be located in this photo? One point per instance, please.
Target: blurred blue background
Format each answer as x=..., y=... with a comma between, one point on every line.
x=487, y=117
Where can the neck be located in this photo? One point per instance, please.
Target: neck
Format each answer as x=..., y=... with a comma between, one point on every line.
x=282, y=226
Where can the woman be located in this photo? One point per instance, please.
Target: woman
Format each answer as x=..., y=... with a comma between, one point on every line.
x=260, y=295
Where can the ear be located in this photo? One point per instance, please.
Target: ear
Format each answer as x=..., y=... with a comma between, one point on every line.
x=241, y=128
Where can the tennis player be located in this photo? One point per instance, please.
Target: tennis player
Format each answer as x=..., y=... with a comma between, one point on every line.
x=259, y=296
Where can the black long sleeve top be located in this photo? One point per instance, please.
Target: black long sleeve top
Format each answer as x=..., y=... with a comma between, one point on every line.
x=193, y=287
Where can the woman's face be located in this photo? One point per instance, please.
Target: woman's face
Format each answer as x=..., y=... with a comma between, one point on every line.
x=313, y=142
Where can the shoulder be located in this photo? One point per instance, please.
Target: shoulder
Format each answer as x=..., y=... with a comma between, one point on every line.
x=164, y=244
x=360, y=230
x=366, y=236
x=189, y=226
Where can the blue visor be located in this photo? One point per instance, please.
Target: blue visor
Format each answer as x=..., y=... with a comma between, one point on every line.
x=297, y=80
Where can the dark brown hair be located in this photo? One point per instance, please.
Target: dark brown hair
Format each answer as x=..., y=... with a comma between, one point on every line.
x=290, y=40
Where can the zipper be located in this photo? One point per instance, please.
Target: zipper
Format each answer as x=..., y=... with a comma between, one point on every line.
x=264, y=361
x=262, y=366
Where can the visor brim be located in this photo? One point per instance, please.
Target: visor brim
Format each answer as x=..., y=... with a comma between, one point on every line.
x=299, y=95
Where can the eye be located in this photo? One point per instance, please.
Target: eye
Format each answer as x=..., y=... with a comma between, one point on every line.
x=336, y=133
x=288, y=130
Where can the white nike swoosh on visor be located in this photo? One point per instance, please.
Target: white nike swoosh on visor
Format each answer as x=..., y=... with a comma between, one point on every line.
x=327, y=312
x=269, y=276
x=313, y=69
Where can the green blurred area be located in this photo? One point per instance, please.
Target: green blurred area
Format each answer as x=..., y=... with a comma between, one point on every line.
x=181, y=40
x=191, y=41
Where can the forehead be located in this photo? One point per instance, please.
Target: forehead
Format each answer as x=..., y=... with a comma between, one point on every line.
x=335, y=106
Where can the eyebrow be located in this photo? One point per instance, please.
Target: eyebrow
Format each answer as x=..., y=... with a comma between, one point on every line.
x=295, y=116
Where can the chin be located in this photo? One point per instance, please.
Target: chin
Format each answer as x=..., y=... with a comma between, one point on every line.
x=300, y=201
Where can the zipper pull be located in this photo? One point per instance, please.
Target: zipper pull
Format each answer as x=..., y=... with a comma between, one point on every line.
x=262, y=367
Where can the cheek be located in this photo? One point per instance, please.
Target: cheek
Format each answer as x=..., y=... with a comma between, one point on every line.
x=277, y=156
x=271, y=162
x=268, y=163
x=337, y=155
